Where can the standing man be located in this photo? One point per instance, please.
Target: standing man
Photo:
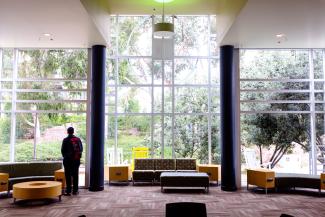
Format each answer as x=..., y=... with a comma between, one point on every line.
x=71, y=151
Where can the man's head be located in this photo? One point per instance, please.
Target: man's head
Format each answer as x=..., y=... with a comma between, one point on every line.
x=70, y=131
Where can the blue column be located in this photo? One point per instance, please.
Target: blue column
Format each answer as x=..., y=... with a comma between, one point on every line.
x=229, y=118
x=97, y=120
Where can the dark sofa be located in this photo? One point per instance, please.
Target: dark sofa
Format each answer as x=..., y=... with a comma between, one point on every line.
x=150, y=169
x=292, y=180
x=29, y=171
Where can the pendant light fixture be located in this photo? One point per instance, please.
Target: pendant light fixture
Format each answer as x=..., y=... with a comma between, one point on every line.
x=163, y=29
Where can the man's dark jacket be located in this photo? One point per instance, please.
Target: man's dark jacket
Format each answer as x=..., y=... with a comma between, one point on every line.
x=68, y=150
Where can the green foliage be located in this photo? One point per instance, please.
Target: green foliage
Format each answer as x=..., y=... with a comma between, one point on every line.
x=281, y=131
x=5, y=124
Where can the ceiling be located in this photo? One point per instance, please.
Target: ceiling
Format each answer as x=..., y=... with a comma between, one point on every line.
x=174, y=7
x=256, y=26
x=83, y=23
x=22, y=24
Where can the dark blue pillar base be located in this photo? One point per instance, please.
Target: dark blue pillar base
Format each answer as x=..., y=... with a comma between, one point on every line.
x=100, y=188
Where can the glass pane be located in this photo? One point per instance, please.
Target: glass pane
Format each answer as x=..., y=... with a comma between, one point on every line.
x=282, y=140
x=110, y=100
x=134, y=100
x=135, y=71
x=52, y=129
x=51, y=95
x=320, y=143
x=191, y=36
x=191, y=100
x=158, y=71
x=215, y=139
x=111, y=50
x=5, y=125
x=191, y=71
x=53, y=64
x=191, y=137
x=268, y=85
x=133, y=131
x=215, y=71
x=273, y=96
x=274, y=64
x=157, y=137
x=110, y=68
x=135, y=35
x=52, y=85
x=215, y=100
x=7, y=63
x=48, y=106
x=318, y=64
x=25, y=134
x=168, y=153
x=167, y=99
x=157, y=100
x=110, y=156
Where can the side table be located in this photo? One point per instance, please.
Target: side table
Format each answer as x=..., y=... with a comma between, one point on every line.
x=212, y=170
x=4, y=181
x=60, y=177
x=117, y=173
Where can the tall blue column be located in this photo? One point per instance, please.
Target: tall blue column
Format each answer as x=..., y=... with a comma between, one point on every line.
x=229, y=109
x=97, y=121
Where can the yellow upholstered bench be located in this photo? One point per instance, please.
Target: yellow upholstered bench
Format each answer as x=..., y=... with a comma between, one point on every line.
x=263, y=178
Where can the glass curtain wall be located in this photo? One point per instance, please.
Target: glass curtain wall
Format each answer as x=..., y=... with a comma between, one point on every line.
x=169, y=106
x=282, y=109
x=42, y=92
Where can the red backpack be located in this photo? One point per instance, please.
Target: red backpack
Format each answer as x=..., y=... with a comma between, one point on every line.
x=76, y=148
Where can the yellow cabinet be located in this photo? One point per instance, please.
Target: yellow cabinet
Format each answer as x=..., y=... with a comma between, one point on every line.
x=212, y=170
x=322, y=181
x=4, y=181
x=117, y=173
x=263, y=178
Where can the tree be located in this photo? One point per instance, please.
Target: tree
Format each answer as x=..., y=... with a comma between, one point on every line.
x=282, y=132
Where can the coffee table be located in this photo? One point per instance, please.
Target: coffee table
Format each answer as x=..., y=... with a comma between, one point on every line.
x=37, y=190
x=184, y=179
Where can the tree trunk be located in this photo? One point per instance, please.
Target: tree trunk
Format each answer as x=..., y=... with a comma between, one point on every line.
x=261, y=155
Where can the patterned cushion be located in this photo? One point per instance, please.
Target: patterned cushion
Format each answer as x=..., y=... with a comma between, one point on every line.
x=144, y=164
x=165, y=164
x=185, y=164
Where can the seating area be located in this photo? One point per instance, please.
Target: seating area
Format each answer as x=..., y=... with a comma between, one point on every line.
x=29, y=171
x=268, y=179
x=149, y=170
x=169, y=102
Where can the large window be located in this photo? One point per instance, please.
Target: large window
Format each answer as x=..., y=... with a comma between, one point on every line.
x=42, y=92
x=169, y=106
x=282, y=109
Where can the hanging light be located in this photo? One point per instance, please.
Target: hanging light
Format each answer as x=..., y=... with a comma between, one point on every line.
x=163, y=29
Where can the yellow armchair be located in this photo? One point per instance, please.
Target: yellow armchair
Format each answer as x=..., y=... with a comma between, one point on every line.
x=262, y=178
x=322, y=181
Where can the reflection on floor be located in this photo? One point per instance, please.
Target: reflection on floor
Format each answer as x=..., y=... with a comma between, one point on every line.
x=141, y=201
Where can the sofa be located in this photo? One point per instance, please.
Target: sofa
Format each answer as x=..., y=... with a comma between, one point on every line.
x=267, y=179
x=292, y=180
x=149, y=170
x=29, y=171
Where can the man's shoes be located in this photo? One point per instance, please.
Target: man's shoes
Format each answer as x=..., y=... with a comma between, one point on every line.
x=75, y=192
x=67, y=194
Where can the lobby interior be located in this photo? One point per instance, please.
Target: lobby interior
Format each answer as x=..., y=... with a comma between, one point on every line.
x=240, y=85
